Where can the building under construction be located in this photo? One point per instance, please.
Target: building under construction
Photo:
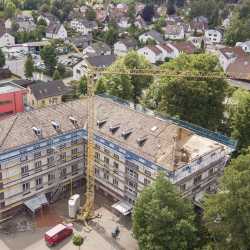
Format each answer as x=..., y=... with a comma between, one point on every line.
x=45, y=150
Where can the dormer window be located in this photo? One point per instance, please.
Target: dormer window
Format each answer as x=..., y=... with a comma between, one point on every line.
x=114, y=127
x=141, y=140
x=100, y=123
x=127, y=133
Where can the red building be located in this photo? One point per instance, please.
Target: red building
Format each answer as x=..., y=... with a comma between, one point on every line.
x=11, y=99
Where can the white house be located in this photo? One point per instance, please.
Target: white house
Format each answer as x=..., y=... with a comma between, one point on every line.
x=123, y=23
x=97, y=49
x=244, y=45
x=83, y=26
x=152, y=53
x=196, y=41
x=124, y=45
x=8, y=24
x=48, y=18
x=151, y=35
x=56, y=31
x=6, y=39
x=228, y=55
x=213, y=36
x=81, y=68
x=174, y=32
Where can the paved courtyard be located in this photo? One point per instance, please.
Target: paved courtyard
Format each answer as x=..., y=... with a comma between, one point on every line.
x=99, y=238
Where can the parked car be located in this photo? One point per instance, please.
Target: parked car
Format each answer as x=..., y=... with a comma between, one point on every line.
x=57, y=234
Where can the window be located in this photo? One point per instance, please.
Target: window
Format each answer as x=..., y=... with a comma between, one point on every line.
x=51, y=178
x=63, y=157
x=106, y=151
x=50, y=151
x=132, y=184
x=74, y=169
x=25, y=171
x=26, y=188
x=106, y=160
x=50, y=160
x=37, y=155
x=74, y=152
x=97, y=172
x=132, y=173
x=38, y=166
x=197, y=179
x=39, y=183
x=116, y=156
x=23, y=158
x=115, y=182
x=183, y=187
x=116, y=167
x=97, y=147
x=74, y=142
x=211, y=172
x=106, y=175
x=146, y=181
x=148, y=173
x=97, y=155
x=63, y=173
x=62, y=146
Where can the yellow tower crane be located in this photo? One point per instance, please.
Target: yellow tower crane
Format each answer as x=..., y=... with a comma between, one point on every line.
x=87, y=211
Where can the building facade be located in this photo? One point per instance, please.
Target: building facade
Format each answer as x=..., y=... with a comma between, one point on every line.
x=131, y=148
x=11, y=99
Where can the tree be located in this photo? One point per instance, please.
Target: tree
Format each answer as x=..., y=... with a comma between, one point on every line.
x=239, y=117
x=83, y=86
x=227, y=213
x=162, y=220
x=48, y=55
x=171, y=7
x=78, y=240
x=100, y=87
x=148, y=13
x=238, y=30
x=2, y=58
x=111, y=36
x=131, y=12
x=199, y=101
x=29, y=67
x=9, y=9
x=56, y=75
x=90, y=14
x=126, y=86
x=180, y=3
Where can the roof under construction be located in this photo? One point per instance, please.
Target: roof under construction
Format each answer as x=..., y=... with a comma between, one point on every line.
x=160, y=141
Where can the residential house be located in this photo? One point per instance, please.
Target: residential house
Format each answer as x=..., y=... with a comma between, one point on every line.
x=124, y=45
x=181, y=47
x=213, y=36
x=41, y=94
x=81, y=68
x=239, y=69
x=56, y=31
x=25, y=23
x=152, y=53
x=83, y=26
x=196, y=41
x=123, y=23
x=6, y=39
x=97, y=49
x=48, y=18
x=81, y=41
x=151, y=35
x=228, y=55
x=244, y=45
x=174, y=32
x=157, y=53
x=140, y=22
x=199, y=25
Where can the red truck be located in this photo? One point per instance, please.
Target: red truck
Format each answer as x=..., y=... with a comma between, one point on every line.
x=58, y=233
